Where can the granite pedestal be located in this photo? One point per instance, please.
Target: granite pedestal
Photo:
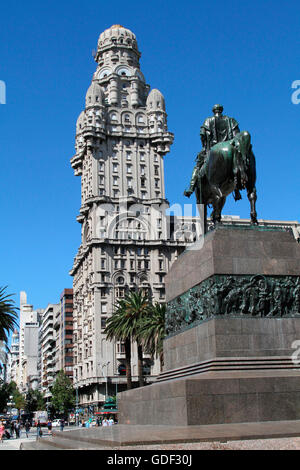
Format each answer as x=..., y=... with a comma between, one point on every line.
x=234, y=368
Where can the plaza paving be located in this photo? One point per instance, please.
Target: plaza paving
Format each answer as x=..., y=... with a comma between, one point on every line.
x=267, y=435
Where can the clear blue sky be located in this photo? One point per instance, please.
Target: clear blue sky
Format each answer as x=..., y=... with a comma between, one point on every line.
x=244, y=55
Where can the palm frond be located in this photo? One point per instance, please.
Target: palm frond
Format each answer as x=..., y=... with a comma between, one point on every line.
x=8, y=314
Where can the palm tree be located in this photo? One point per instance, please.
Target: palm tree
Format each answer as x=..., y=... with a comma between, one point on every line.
x=124, y=325
x=116, y=330
x=8, y=314
x=152, y=331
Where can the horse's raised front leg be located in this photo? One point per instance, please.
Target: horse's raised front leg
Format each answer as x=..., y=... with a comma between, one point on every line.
x=252, y=196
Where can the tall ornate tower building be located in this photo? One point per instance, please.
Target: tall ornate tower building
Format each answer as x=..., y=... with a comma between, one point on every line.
x=127, y=240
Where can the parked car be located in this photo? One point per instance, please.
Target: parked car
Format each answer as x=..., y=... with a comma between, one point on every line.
x=55, y=423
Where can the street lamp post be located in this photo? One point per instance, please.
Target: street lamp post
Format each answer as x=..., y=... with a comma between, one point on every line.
x=76, y=406
x=105, y=364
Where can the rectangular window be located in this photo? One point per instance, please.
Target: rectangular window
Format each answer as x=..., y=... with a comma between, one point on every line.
x=120, y=348
x=120, y=292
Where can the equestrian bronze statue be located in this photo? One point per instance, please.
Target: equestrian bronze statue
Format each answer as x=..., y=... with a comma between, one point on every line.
x=226, y=164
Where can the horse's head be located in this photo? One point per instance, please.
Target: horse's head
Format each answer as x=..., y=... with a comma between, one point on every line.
x=242, y=142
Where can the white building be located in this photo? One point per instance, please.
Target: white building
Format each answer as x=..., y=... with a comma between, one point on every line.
x=28, y=344
x=127, y=241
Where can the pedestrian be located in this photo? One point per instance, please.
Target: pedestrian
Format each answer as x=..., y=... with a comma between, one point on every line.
x=38, y=429
x=12, y=428
x=98, y=421
x=111, y=421
x=62, y=424
x=17, y=429
x=49, y=426
x=2, y=431
x=27, y=428
x=105, y=422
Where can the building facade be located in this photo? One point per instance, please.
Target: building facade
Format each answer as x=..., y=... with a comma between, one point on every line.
x=13, y=358
x=48, y=359
x=127, y=241
x=63, y=326
x=30, y=320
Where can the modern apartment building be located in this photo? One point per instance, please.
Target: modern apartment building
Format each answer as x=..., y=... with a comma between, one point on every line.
x=63, y=326
x=30, y=319
x=47, y=339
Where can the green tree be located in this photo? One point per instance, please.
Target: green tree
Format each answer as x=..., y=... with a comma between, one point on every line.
x=114, y=331
x=63, y=394
x=4, y=396
x=34, y=401
x=124, y=325
x=152, y=331
x=8, y=314
x=17, y=397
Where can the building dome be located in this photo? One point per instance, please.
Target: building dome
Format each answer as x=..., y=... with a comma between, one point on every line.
x=117, y=34
x=94, y=95
x=116, y=37
x=155, y=101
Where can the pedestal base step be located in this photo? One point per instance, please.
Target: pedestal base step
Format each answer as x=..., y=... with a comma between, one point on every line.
x=230, y=364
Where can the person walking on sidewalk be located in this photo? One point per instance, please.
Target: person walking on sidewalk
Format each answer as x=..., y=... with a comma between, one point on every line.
x=62, y=424
x=38, y=429
x=49, y=426
x=2, y=431
x=12, y=428
x=27, y=428
x=17, y=429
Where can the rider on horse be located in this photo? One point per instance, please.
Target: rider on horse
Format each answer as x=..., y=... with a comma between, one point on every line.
x=215, y=129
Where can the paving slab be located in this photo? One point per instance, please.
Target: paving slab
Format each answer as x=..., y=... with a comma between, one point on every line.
x=137, y=435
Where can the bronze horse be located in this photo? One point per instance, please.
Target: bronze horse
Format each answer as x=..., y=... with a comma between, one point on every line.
x=229, y=166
